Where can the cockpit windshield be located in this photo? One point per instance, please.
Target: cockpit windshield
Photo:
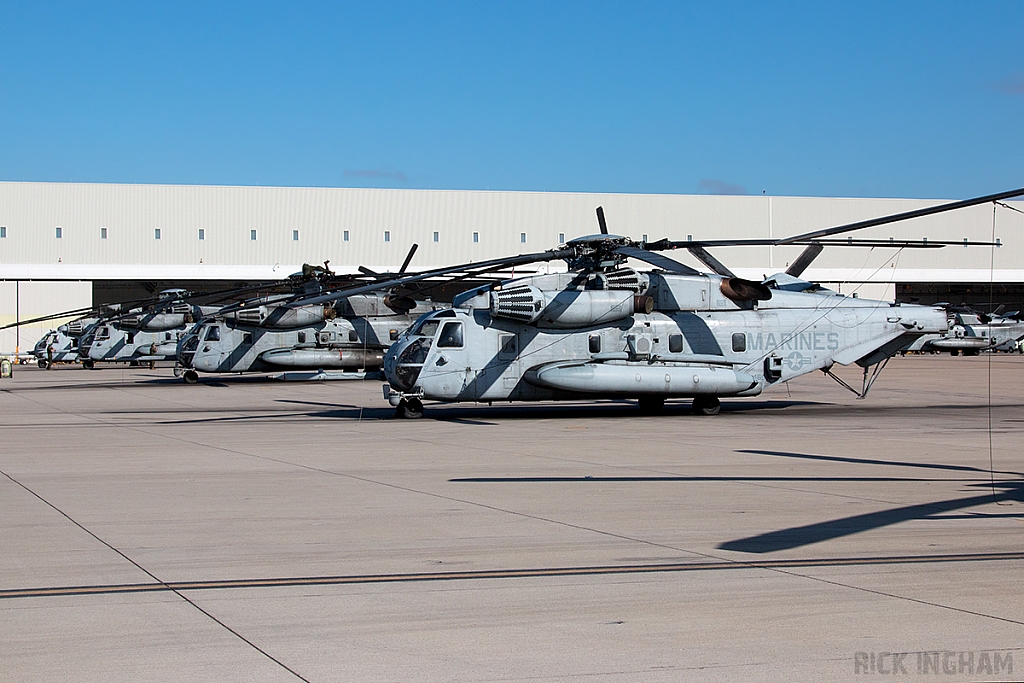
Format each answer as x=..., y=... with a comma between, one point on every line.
x=427, y=328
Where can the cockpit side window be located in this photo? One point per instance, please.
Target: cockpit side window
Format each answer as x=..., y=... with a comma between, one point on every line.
x=213, y=334
x=451, y=336
x=103, y=333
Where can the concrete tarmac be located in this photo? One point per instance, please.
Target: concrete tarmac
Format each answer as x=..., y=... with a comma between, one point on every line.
x=245, y=529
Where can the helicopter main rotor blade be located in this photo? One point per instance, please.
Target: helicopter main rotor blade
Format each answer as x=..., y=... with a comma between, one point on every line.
x=804, y=259
x=906, y=215
x=710, y=261
x=408, y=259
x=600, y=220
x=657, y=260
x=480, y=266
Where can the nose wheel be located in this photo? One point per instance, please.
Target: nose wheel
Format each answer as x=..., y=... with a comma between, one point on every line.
x=89, y=364
x=706, y=405
x=409, y=409
x=190, y=376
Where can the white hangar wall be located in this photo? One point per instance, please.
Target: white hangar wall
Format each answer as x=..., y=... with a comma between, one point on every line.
x=110, y=232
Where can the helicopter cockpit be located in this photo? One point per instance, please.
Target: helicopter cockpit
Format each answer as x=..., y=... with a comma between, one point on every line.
x=418, y=341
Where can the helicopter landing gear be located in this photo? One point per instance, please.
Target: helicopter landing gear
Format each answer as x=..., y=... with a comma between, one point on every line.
x=190, y=377
x=409, y=409
x=89, y=364
x=955, y=352
x=706, y=405
x=650, y=405
x=42, y=364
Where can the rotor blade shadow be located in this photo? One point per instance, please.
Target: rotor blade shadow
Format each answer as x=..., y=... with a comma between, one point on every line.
x=872, y=461
x=797, y=537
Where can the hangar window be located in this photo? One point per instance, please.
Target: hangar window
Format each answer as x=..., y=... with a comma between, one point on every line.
x=595, y=343
x=60, y=233
x=522, y=237
x=451, y=336
x=103, y=233
x=739, y=342
x=3, y=232
x=476, y=237
x=252, y=235
x=437, y=236
x=295, y=235
x=561, y=238
x=675, y=343
x=202, y=234
x=344, y=236
x=387, y=235
x=156, y=233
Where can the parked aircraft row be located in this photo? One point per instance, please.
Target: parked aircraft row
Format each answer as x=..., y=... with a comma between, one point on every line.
x=602, y=329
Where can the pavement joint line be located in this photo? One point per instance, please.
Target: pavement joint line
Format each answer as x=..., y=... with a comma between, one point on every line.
x=488, y=574
x=159, y=582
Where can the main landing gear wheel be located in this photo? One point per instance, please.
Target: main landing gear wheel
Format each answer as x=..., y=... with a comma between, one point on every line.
x=651, y=405
x=706, y=405
x=190, y=376
x=89, y=364
x=41, y=363
x=409, y=409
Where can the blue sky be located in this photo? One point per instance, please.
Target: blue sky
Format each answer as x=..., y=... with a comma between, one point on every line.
x=888, y=99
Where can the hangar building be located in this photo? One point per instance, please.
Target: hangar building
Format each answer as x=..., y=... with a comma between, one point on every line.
x=72, y=245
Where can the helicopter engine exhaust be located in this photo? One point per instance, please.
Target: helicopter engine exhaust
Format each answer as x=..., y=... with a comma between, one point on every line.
x=739, y=290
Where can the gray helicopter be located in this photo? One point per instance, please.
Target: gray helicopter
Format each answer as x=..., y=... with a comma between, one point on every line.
x=269, y=334
x=144, y=335
x=605, y=330
x=61, y=345
x=971, y=332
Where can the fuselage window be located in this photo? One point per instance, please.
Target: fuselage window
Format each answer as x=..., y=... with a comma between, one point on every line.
x=739, y=342
x=595, y=343
x=507, y=347
x=130, y=338
x=451, y=336
x=393, y=334
x=353, y=336
x=302, y=337
x=213, y=334
x=675, y=343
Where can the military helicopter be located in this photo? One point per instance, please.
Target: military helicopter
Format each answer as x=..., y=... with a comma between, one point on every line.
x=268, y=334
x=605, y=330
x=61, y=345
x=971, y=332
x=144, y=335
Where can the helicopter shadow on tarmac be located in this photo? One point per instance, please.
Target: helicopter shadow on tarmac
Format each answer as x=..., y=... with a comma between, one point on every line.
x=988, y=492
x=985, y=492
